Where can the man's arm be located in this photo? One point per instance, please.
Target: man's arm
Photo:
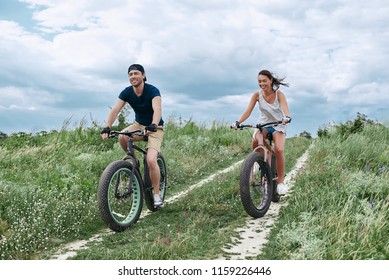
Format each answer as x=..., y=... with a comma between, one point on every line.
x=117, y=107
x=157, y=107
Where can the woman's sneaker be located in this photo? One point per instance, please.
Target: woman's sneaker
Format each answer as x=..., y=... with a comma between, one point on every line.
x=281, y=189
x=158, y=202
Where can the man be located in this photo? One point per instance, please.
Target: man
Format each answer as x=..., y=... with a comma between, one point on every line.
x=145, y=100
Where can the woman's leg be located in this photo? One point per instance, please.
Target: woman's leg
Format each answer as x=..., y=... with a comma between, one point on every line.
x=257, y=138
x=279, y=145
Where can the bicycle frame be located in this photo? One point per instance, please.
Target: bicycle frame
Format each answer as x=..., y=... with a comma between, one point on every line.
x=264, y=145
x=131, y=147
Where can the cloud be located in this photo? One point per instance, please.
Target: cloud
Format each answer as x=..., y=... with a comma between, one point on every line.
x=203, y=56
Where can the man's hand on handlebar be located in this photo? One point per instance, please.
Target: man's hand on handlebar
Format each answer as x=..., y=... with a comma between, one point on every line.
x=150, y=128
x=105, y=132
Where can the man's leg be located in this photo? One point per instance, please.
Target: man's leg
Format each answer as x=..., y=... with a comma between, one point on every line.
x=123, y=139
x=153, y=148
x=155, y=175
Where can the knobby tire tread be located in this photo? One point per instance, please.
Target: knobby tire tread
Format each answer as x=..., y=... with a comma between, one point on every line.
x=102, y=195
x=245, y=195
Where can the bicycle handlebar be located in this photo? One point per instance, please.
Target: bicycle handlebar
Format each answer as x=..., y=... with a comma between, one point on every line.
x=259, y=126
x=127, y=133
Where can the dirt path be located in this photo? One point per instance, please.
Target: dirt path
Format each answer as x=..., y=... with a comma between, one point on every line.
x=70, y=250
x=253, y=236
x=251, y=239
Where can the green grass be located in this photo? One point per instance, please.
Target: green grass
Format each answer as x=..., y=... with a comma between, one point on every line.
x=340, y=205
x=195, y=227
x=48, y=181
x=338, y=208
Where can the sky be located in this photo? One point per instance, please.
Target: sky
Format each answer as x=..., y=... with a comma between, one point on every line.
x=66, y=61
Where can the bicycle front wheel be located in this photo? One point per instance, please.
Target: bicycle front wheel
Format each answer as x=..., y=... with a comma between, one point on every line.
x=255, y=185
x=162, y=183
x=120, y=202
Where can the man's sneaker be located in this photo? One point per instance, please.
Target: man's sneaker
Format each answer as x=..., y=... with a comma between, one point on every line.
x=158, y=202
x=281, y=189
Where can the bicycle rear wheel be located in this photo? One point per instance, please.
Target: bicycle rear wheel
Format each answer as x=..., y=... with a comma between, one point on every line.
x=120, y=203
x=255, y=185
x=149, y=199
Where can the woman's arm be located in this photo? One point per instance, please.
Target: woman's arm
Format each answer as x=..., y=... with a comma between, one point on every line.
x=246, y=114
x=283, y=103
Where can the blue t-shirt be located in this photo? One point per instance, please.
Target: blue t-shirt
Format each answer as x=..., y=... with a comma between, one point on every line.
x=142, y=105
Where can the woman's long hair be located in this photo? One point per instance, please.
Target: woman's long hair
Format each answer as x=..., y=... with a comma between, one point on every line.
x=275, y=81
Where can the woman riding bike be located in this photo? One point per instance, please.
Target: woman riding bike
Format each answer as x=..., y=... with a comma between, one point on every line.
x=273, y=107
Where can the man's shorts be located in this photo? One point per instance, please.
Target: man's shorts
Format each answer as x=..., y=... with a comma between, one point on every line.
x=155, y=138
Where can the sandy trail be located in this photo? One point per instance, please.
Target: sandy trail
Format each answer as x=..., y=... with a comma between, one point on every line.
x=70, y=250
x=254, y=235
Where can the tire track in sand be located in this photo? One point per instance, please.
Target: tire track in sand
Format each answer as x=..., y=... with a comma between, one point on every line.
x=254, y=235
x=70, y=250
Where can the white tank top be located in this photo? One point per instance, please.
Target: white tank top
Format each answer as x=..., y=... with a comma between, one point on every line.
x=271, y=112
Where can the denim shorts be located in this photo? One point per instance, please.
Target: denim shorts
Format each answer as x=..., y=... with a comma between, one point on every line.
x=270, y=130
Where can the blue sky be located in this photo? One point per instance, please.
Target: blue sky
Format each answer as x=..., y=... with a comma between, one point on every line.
x=62, y=61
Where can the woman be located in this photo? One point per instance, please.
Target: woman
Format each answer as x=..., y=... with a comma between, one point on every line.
x=273, y=107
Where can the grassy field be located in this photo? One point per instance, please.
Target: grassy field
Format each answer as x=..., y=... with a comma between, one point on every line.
x=338, y=209
x=48, y=181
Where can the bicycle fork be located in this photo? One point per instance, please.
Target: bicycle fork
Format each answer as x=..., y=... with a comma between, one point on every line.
x=131, y=182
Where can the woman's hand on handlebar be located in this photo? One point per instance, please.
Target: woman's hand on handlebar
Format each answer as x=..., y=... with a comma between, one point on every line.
x=236, y=125
x=286, y=120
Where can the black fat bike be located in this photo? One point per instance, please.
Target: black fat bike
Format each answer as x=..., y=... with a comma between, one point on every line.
x=122, y=188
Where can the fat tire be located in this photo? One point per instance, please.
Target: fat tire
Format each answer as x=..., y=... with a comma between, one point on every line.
x=245, y=185
x=148, y=190
x=103, y=196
